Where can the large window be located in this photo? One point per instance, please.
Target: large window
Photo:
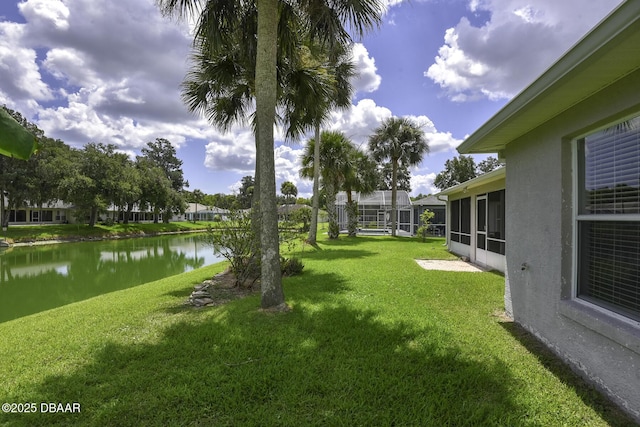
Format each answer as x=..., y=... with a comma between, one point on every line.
x=461, y=221
x=608, y=220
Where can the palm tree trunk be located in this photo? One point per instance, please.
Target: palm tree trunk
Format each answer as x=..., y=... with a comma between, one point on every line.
x=272, y=295
x=352, y=215
x=334, y=230
x=256, y=223
x=315, y=204
x=394, y=193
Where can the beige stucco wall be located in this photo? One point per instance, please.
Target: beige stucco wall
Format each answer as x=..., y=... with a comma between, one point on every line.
x=603, y=347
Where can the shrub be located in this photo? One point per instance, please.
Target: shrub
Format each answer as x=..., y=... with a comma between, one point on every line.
x=425, y=219
x=291, y=266
x=302, y=215
x=235, y=241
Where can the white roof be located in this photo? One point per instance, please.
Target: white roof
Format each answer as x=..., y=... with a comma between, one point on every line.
x=377, y=198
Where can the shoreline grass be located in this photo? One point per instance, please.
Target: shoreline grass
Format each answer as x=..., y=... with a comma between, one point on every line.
x=372, y=339
x=53, y=232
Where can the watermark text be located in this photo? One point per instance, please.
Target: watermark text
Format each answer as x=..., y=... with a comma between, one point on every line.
x=41, y=407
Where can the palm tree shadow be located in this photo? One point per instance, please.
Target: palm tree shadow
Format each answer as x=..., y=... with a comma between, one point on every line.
x=321, y=364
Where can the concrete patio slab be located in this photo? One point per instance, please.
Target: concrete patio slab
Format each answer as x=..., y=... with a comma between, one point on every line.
x=448, y=265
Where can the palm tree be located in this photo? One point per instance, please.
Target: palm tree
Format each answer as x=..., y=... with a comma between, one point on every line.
x=338, y=69
x=221, y=83
x=325, y=21
x=400, y=141
x=361, y=175
x=336, y=153
x=218, y=22
x=289, y=190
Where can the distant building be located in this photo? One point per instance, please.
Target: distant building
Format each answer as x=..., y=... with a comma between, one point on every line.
x=50, y=213
x=374, y=211
x=203, y=213
x=438, y=224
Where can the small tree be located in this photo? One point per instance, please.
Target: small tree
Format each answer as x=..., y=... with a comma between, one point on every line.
x=289, y=191
x=302, y=215
x=425, y=221
x=234, y=240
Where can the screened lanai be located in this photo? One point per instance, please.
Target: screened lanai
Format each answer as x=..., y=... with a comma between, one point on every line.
x=374, y=211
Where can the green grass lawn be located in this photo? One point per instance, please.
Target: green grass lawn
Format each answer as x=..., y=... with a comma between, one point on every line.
x=30, y=233
x=372, y=339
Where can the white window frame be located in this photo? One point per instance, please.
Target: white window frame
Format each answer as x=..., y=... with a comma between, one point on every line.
x=571, y=311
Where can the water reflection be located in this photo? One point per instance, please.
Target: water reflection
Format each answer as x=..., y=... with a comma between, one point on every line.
x=38, y=278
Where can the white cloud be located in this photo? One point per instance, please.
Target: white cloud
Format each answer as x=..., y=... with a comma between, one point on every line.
x=438, y=141
x=287, y=166
x=516, y=45
x=19, y=72
x=367, y=79
x=113, y=80
x=358, y=122
x=70, y=65
x=46, y=13
x=388, y=4
x=234, y=151
x=423, y=183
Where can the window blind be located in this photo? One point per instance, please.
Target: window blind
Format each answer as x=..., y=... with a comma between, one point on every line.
x=612, y=171
x=610, y=270
x=609, y=248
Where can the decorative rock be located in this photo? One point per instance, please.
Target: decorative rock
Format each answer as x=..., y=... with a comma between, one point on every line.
x=201, y=297
x=200, y=294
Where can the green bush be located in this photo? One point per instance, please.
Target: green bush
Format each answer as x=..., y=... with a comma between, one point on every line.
x=234, y=240
x=291, y=266
x=425, y=219
x=108, y=222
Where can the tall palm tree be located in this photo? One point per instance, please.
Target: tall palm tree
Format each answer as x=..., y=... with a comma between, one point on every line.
x=325, y=22
x=336, y=153
x=221, y=85
x=338, y=68
x=361, y=175
x=400, y=141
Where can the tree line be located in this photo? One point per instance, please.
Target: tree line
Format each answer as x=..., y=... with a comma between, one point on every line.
x=93, y=178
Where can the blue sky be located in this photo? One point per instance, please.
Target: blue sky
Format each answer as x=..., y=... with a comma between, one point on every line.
x=88, y=71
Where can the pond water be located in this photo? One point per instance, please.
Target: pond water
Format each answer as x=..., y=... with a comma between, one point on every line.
x=38, y=278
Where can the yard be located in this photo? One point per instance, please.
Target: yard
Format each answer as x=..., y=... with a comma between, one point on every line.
x=372, y=339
